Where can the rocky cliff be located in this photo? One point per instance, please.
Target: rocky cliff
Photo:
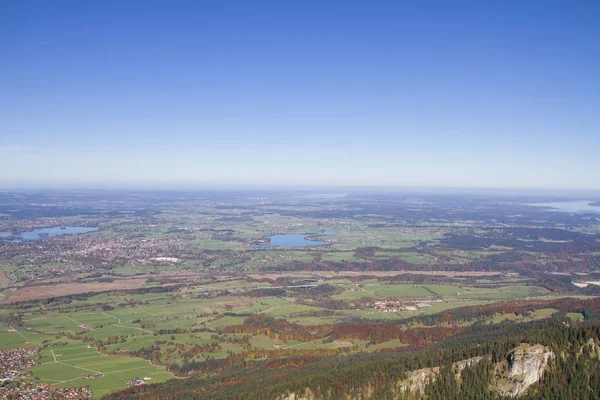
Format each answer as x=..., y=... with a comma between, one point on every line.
x=524, y=366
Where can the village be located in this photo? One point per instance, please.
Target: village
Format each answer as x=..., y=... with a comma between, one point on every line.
x=23, y=390
x=77, y=254
x=387, y=306
x=16, y=383
x=13, y=361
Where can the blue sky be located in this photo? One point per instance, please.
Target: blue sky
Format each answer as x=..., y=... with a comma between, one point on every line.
x=194, y=93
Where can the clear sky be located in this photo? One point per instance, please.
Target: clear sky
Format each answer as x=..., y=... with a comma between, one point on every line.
x=360, y=93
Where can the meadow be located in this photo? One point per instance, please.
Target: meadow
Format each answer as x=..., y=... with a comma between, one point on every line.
x=110, y=309
x=107, y=339
x=76, y=364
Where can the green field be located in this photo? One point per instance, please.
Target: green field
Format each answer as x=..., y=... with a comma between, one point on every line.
x=70, y=365
x=107, y=333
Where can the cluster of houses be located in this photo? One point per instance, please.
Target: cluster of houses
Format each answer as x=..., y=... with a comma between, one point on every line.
x=86, y=253
x=43, y=391
x=137, y=381
x=12, y=363
x=13, y=360
x=63, y=269
x=397, y=306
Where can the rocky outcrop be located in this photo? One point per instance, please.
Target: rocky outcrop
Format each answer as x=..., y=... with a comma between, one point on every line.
x=592, y=347
x=418, y=379
x=307, y=395
x=459, y=366
x=523, y=367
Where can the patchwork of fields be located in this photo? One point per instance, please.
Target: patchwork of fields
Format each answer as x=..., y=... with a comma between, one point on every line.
x=107, y=340
x=75, y=365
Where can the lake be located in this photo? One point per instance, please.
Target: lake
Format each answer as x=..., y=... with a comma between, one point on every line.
x=579, y=206
x=48, y=232
x=298, y=240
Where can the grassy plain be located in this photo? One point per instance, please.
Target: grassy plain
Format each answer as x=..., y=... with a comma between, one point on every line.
x=77, y=364
x=129, y=324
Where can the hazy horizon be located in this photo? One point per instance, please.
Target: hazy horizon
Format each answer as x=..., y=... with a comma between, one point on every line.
x=272, y=94
x=325, y=190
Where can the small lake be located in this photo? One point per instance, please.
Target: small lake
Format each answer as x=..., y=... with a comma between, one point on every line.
x=43, y=233
x=579, y=206
x=298, y=240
